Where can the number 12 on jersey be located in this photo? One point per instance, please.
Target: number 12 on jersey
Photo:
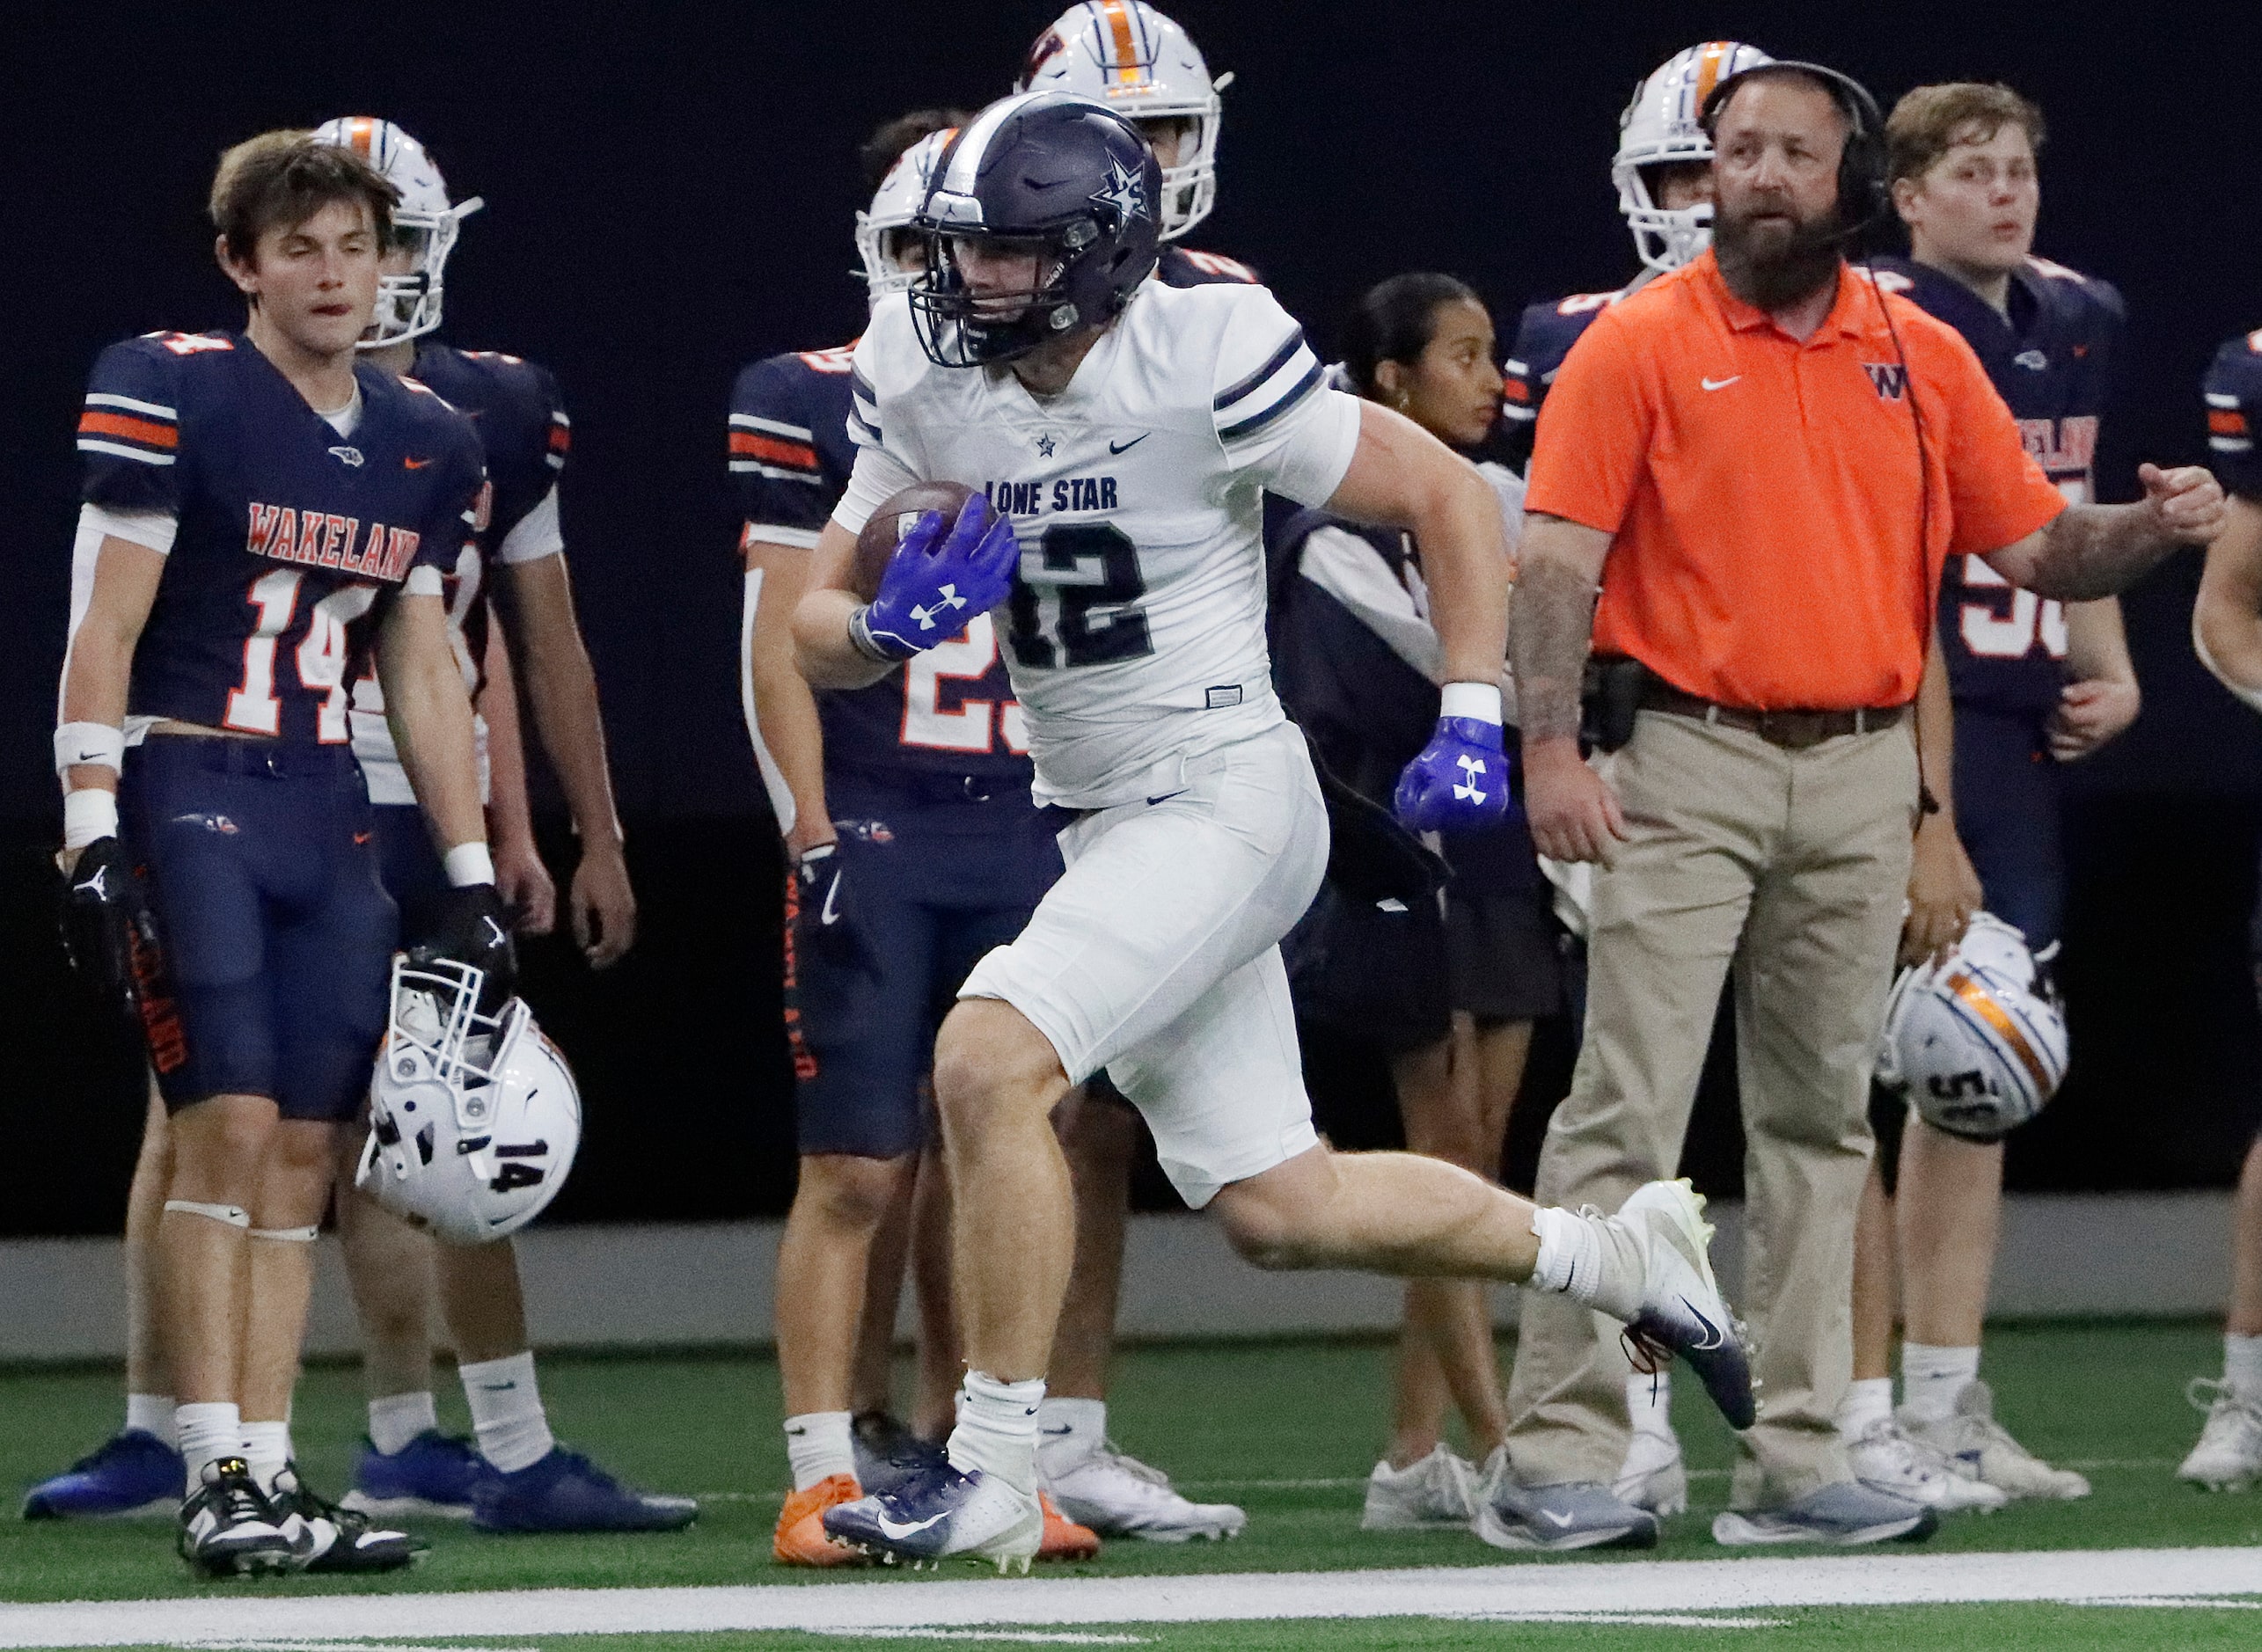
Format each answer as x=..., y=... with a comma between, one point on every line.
x=1075, y=600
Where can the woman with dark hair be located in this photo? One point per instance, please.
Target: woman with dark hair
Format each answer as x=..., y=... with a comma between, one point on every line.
x=1450, y=989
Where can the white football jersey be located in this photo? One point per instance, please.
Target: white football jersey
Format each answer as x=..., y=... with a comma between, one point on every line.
x=1135, y=634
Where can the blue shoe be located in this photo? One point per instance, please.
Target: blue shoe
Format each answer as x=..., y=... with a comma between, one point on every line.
x=886, y=1452
x=430, y=1478
x=566, y=1492
x=941, y=1514
x=132, y=1473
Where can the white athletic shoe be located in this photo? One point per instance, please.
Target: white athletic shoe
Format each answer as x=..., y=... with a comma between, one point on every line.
x=1437, y=1493
x=1653, y=1476
x=2229, y=1455
x=1977, y=1445
x=1119, y=1496
x=1886, y=1458
x=1682, y=1312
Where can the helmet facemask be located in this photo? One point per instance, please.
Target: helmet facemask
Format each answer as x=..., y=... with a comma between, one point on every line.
x=408, y=303
x=958, y=327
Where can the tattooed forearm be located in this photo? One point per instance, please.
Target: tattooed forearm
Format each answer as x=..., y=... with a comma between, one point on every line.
x=1551, y=627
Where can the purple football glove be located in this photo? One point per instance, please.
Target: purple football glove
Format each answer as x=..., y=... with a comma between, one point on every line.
x=1458, y=783
x=937, y=581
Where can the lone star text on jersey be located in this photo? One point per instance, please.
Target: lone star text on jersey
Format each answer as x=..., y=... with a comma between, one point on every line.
x=1069, y=493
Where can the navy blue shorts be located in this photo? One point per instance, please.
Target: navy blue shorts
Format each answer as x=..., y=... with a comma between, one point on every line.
x=934, y=886
x=409, y=867
x=262, y=879
x=2007, y=813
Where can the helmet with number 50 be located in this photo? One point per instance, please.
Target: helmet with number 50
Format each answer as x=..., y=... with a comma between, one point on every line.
x=1132, y=61
x=474, y=1118
x=1975, y=1040
x=1661, y=127
x=425, y=225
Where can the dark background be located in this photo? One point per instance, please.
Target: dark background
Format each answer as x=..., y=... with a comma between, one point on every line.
x=669, y=191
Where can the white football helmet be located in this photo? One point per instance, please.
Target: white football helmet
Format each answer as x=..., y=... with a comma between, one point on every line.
x=901, y=194
x=474, y=1118
x=1660, y=128
x=1975, y=1041
x=424, y=222
x=1140, y=64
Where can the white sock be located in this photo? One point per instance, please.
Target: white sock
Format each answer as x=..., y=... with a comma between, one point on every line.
x=152, y=1413
x=997, y=1428
x=209, y=1430
x=1931, y=1377
x=1068, y=1431
x=1589, y=1258
x=397, y=1418
x=267, y=1448
x=506, y=1411
x=2242, y=1366
x=1869, y=1400
x=818, y=1446
x=1649, y=1403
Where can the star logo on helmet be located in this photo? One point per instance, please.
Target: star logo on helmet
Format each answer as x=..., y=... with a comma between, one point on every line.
x=1125, y=194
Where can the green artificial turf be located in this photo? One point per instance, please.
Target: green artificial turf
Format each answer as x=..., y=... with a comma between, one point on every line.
x=1288, y=1430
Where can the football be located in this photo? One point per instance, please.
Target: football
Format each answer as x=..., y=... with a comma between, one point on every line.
x=889, y=524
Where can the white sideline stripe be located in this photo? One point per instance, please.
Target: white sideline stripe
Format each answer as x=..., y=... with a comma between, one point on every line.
x=1453, y=1592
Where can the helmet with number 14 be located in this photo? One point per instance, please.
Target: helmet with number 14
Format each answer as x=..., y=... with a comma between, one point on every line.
x=1126, y=56
x=1661, y=128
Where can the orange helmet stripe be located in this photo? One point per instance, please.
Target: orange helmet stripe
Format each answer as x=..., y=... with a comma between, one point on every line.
x=1127, y=70
x=361, y=133
x=1709, y=59
x=1974, y=996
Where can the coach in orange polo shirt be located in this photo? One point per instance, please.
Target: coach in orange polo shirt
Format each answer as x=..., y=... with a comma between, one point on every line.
x=1763, y=462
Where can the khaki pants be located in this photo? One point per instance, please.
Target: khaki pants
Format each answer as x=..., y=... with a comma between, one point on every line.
x=1791, y=867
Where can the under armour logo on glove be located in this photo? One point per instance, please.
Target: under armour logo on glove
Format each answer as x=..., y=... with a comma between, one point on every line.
x=1458, y=782
x=933, y=572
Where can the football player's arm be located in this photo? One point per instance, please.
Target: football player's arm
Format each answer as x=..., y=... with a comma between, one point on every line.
x=822, y=650
x=99, y=666
x=1402, y=477
x=780, y=711
x=520, y=877
x=2227, y=621
x=430, y=717
x=561, y=685
x=2102, y=698
x=1943, y=885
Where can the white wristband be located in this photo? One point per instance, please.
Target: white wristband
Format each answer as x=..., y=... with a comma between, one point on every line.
x=467, y=864
x=1478, y=701
x=88, y=812
x=97, y=744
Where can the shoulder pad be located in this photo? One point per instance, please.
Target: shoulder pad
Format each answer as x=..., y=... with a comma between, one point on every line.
x=190, y=343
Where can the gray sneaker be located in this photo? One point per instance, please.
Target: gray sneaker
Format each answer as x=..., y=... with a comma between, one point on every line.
x=1579, y=1514
x=1844, y=1516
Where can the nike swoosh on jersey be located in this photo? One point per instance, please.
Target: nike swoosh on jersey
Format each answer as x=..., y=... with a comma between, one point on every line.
x=1720, y=383
x=1129, y=445
x=363, y=838
x=890, y=1529
x=826, y=914
x=416, y=464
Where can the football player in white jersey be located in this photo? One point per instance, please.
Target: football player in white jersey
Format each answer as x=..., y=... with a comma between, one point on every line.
x=1125, y=429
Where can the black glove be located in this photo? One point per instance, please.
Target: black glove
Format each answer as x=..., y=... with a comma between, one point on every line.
x=101, y=901
x=473, y=928
x=825, y=915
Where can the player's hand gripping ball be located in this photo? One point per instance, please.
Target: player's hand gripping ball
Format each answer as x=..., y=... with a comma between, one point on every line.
x=930, y=559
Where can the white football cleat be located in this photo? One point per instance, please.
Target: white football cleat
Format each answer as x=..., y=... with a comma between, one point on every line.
x=1886, y=1458
x=2229, y=1455
x=1436, y=1494
x=1119, y=1496
x=940, y=1514
x=1682, y=1312
x=1653, y=1476
x=1976, y=1445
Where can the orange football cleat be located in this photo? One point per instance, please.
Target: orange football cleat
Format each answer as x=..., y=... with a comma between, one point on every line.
x=802, y=1539
x=1063, y=1540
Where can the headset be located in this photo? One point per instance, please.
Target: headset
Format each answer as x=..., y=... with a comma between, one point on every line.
x=1864, y=201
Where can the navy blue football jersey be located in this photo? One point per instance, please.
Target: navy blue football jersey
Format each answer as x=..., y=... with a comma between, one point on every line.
x=291, y=539
x=2234, y=399
x=947, y=711
x=2051, y=359
x=1182, y=266
x=1543, y=337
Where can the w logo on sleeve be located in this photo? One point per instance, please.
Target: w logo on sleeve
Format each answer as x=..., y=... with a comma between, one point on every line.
x=1890, y=379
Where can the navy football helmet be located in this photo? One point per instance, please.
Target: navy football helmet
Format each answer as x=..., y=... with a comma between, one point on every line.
x=1049, y=174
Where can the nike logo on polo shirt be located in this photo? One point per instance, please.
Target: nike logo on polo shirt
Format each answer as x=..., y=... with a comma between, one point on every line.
x=1721, y=383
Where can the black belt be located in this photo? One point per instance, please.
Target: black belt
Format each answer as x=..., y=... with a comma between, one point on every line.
x=1794, y=730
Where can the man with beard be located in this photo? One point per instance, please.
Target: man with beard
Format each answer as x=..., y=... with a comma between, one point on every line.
x=1763, y=462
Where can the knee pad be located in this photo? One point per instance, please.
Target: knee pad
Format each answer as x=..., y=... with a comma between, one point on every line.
x=233, y=1215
